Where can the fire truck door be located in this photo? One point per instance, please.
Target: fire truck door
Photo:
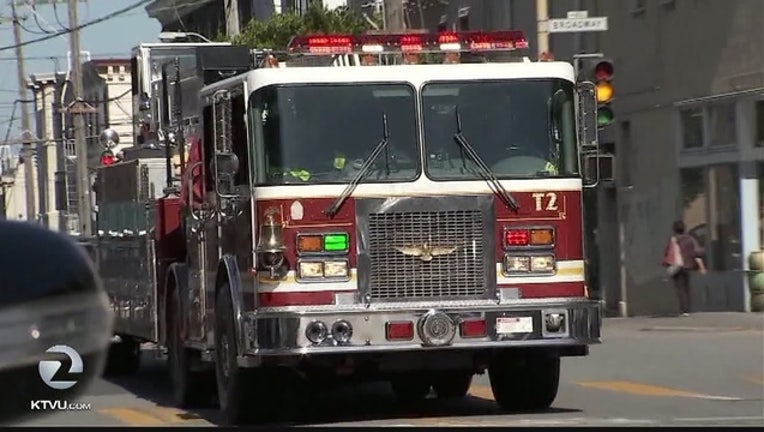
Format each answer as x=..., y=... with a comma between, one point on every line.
x=198, y=229
x=199, y=222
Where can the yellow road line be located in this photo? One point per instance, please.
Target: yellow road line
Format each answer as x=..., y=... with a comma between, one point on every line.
x=172, y=415
x=481, y=392
x=132, y=416
x=647, y=390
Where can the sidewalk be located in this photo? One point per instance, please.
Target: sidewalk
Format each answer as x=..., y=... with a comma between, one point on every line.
x=704, y=321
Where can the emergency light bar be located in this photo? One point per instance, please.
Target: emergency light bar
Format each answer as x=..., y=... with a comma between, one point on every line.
x=409, y=43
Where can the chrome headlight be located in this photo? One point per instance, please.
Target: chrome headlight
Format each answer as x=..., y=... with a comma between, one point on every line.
x=543, y=264
x=517, y=264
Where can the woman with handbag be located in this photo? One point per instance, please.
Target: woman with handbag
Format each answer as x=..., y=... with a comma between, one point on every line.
x=683, y=255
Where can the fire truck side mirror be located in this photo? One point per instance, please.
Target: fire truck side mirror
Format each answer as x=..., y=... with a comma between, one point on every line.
x=587, y=116
x=55, y=319
x=588, y=140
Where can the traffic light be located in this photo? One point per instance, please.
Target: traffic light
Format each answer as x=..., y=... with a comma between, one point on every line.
x=603, y=77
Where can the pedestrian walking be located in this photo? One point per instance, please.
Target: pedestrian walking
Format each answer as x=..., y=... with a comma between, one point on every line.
x=683, y=256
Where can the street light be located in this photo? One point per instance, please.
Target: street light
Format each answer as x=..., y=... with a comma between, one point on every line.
x=174, y=36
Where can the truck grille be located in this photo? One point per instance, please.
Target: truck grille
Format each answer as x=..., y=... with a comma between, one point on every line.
x=394, y=275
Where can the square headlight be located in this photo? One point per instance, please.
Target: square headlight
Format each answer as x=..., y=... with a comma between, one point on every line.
x=543, y=264
x=336, y=269
x=310, y=269
x=517, y=264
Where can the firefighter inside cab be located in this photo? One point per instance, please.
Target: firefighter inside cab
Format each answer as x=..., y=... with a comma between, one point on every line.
x=490, y=119
x=293, y=119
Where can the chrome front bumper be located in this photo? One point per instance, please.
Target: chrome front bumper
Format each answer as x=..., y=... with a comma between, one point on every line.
x=282, y=332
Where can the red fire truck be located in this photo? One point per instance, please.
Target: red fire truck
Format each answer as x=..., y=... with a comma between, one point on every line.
x=405, y=208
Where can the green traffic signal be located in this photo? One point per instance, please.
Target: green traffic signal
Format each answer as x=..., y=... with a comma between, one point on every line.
x=605, y=116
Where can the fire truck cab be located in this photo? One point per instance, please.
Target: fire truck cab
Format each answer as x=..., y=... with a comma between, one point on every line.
x=415, y=217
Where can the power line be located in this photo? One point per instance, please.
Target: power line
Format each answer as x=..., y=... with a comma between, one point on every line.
x=78, y=27
x=58, y=20
x=40, y=58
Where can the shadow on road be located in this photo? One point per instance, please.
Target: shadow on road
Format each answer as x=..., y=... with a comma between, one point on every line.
x=351, y=403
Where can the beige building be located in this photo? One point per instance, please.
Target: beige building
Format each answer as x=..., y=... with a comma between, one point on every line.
x=106, y=88
x=13, y=205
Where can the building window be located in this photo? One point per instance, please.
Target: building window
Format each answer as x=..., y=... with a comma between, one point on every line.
x=721, y=124
x=759, y=123
x=692, y=127
x=694, y=203
x=724, y=218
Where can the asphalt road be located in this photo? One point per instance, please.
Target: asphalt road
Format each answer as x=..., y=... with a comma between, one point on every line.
x=707, y=369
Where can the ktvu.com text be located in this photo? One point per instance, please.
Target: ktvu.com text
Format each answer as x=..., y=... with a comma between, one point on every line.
x=58, y=405
x=48, y=369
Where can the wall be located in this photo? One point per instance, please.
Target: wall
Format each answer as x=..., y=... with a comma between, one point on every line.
x=15, y=198
x=45, y=91
x=666, y=54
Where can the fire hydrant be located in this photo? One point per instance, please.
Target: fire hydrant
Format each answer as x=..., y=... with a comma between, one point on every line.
x=756, y=280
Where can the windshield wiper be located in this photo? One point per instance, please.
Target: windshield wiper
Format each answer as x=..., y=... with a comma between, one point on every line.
x=485, y=172
x=332, y=210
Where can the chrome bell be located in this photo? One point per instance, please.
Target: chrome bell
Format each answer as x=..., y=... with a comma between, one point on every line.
x=271, y=237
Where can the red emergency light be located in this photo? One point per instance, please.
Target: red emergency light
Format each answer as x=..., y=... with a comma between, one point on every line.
x=329, y=44
x=107, y=158
x=468, y=41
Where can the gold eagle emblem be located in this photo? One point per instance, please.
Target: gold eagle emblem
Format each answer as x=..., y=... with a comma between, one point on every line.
x=425, y=252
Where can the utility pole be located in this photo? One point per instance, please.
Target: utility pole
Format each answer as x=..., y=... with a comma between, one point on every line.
x=80, y=146
x=28, y=152
x=393, y=10
x=579, y=42
x=542, y=25
x=232, y=18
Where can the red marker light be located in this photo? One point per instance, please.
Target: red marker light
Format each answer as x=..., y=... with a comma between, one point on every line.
x=399, y=330
x=473, y=328
x=517, y=237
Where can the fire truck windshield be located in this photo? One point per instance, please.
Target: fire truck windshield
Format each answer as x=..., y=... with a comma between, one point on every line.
x=521, y=128
x=322, y=134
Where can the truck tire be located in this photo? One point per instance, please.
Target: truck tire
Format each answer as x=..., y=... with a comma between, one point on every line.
x=124, y=357
x=524, y=380
x=245, y=395
x=410, y=388
x=452, y=385
x=190, y=389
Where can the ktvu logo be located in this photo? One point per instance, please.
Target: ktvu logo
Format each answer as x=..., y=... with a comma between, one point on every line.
x=48, y=369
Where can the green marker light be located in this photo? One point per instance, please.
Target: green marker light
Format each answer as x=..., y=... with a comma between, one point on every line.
x=336, y=242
